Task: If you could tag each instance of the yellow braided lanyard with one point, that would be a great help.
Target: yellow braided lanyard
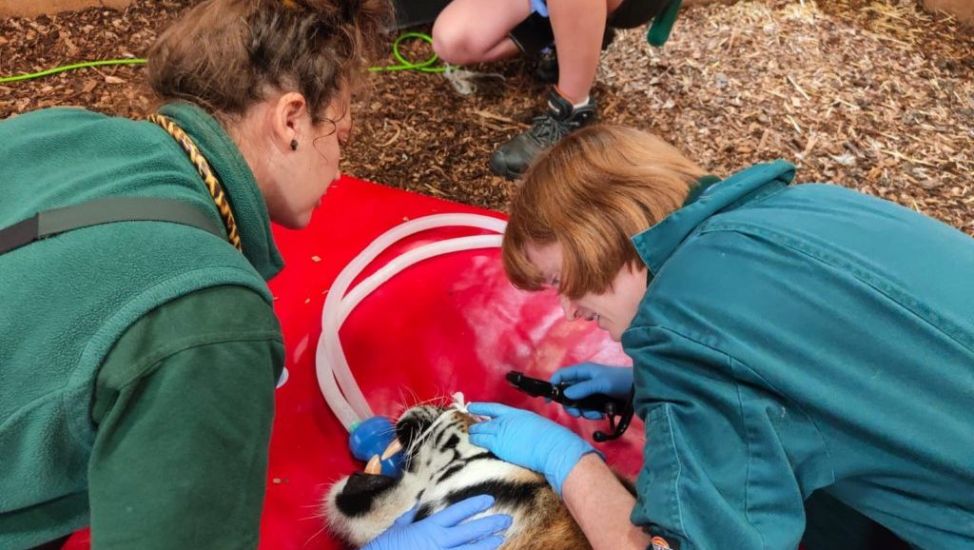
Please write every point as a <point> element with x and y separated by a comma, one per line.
<point>205,172</point>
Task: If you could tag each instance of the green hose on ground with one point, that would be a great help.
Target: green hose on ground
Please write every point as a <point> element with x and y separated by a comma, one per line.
<point>71,67</point>
<point>426,66</point>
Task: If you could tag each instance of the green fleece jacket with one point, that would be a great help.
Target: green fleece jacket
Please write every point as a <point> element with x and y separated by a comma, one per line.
<point>69,301</point>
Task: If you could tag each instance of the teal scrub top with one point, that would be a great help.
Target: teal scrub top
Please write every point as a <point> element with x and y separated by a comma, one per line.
<point>802,338</point>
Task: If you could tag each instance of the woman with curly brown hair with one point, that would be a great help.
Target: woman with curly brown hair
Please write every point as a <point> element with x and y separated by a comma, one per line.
<point>140,350</point>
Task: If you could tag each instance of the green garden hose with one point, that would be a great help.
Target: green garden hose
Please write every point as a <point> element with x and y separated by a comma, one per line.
<point>71,67</point>
<point>425,66</point>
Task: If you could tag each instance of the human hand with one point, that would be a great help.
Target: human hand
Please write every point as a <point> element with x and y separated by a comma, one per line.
<point>446,529</point>
<point>590,378</point>
<point>528,440</point>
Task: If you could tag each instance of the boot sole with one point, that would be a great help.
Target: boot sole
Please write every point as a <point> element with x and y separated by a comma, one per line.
<point>503,171</point>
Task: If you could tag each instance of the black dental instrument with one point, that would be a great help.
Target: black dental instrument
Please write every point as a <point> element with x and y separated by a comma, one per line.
<point>611,407</point>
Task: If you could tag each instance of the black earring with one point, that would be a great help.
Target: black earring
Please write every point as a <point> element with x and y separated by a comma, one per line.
<point>294,145</point>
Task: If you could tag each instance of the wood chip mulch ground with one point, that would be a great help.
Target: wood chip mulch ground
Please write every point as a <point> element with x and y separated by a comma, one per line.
<point>874,95</point>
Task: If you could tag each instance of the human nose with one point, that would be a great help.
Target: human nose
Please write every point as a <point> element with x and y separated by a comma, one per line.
<point>571,312</point>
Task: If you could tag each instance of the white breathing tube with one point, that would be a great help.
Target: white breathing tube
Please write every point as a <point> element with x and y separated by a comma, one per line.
<point>335,378</point>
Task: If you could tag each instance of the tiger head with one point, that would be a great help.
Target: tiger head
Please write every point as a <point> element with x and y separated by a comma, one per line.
<point>442,467</point>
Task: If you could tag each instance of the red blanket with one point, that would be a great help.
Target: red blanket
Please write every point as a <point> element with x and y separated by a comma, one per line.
<point>452,323</point>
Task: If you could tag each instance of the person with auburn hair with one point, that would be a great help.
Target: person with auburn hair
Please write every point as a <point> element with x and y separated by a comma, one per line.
<point>139,350</point>
<point>803,355</point>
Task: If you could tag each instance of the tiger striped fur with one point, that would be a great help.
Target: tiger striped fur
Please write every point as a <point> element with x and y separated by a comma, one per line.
<point>443,467</point>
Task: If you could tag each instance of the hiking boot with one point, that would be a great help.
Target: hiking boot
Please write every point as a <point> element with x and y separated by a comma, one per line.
<point>511,159</point>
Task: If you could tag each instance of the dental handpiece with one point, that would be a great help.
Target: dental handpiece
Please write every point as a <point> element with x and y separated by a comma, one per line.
<point>556,392</point>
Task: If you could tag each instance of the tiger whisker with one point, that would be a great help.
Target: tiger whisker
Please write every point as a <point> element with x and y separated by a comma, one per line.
<point>436,400</point>
<point>428,433</point>
<point>316,534</point>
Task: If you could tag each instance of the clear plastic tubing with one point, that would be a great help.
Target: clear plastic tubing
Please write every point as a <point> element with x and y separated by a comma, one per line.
<point>335,379</point>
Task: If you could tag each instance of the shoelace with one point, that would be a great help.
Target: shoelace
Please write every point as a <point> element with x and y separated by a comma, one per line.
<point>547,129</point>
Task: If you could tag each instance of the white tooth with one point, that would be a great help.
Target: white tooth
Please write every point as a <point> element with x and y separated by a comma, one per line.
<point>373,467</point>
<point>392,449</point>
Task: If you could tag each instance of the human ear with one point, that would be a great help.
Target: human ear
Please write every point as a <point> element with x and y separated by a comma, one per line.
<point>289,114</point>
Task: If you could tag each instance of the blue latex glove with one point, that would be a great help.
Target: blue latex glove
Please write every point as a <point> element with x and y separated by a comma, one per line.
<point>446,529</point>
<point>528,440</point>
<point>591,378</point>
